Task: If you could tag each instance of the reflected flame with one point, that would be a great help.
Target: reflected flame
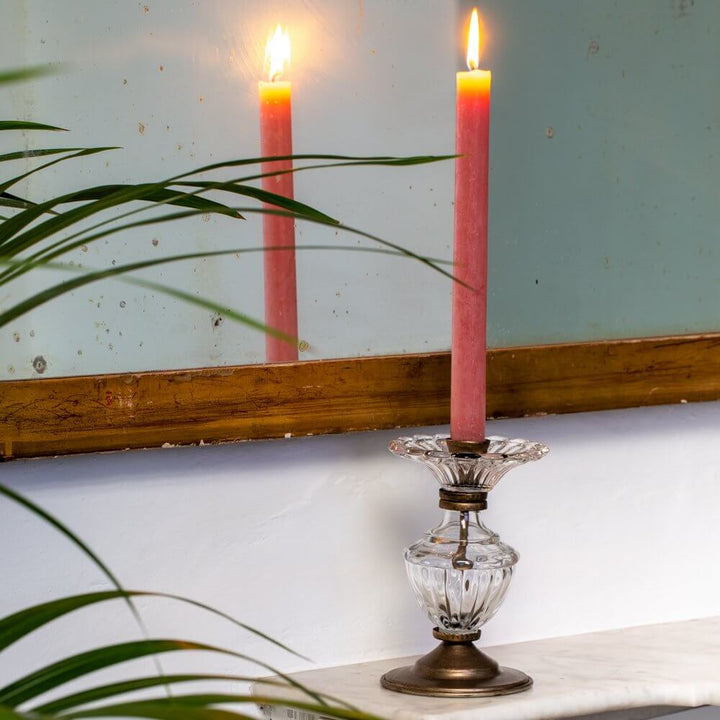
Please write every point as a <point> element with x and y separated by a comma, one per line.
<point>277,53</point>
<point>473,43</point>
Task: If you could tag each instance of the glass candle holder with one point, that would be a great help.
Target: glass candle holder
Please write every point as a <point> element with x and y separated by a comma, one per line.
<point>460,571</point>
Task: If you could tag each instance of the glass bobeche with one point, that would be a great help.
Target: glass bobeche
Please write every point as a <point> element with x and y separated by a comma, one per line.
<point>466,470</point>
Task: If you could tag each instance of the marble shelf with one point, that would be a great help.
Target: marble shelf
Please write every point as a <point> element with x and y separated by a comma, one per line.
<point>637,673</point>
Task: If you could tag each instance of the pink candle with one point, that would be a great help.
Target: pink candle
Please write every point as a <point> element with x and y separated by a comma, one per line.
<point>469,314</point>
<point>278,232</point>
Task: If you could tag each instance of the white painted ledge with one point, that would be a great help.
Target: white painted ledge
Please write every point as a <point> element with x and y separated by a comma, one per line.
<point>641,671</point>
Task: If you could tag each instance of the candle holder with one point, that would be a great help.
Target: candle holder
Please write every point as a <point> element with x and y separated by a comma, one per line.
<point>460,571</point>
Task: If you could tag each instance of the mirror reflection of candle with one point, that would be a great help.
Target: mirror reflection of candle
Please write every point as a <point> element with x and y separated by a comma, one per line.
<point>469,314</point>
<point>278,232</point>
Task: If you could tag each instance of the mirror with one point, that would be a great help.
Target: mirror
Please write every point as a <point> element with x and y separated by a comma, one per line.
<point>605,174</point>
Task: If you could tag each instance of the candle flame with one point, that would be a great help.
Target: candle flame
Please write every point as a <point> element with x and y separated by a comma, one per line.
<point>473,42</point>
<point>277,53</point>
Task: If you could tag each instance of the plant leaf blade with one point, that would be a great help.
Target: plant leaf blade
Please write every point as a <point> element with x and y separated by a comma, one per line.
<point>22,623</point>
<point>22,74</point>
<point>173,708</point>
<point>102,692</point>
<point>56,674</point>
<point>27,125</point>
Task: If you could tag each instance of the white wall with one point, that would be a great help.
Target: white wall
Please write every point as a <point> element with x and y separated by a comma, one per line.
<point>303,538</point>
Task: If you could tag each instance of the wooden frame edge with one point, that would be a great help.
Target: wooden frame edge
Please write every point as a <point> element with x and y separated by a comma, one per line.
<point>56,416</point>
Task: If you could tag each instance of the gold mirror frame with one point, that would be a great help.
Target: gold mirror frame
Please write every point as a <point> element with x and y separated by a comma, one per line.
<point>57,416</point>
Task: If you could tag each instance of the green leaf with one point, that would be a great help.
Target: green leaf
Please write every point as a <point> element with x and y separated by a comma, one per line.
<point>26,154</point>
<point>358,160</point>
<point>10,200</point>
<point>363,162</point>
<point>64,530</point>
<point>160,707</point>
<point>27,73</point>
<point>23,219</point>
<point>108,197</point>
<point>56,249</point>
<point>22,623</point>
<point>118,195</point>
<point>81,153</point>
<point>55,291</point>
<point>346,711</point>
<point>68,243</point>
<point>70,535</point>
<point>102,692</point>
<point>214,307</point>
<point>77,666</point>
<point>175,712</point>
<point>87,278</point>
<point>26,125</point>
<point>38,233</point>
<point>162,196</point>
<point>6,201</point>
<point>351,160</point>
<point>7,713</point>
<point>265,196</point>
<point>17,268</point>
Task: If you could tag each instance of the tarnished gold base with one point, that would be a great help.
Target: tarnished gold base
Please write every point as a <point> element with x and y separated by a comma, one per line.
<point>456,668</point>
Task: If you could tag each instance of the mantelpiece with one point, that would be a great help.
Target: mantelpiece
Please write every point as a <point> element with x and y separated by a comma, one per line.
<point>632,673</point>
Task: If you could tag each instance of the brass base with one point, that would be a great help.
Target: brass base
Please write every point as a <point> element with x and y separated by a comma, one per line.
<point>456,668</point>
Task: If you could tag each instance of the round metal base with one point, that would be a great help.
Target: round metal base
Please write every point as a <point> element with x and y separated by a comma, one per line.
<point>456,669</point>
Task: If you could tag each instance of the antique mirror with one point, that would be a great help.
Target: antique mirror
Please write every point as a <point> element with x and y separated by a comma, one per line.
<point>604,279</point>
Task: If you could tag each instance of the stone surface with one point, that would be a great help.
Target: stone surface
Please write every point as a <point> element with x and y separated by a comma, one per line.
<point>643,671</point>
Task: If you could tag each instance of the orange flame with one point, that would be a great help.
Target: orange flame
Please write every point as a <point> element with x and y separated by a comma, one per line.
<point>473,43</point>
<point>277,53</point>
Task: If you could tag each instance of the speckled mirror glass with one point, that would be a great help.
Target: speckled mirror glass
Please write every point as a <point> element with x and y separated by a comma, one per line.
<point>605,182</point>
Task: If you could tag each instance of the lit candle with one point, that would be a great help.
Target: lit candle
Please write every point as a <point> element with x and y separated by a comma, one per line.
<point>469,308</point>
<point>278,232</point>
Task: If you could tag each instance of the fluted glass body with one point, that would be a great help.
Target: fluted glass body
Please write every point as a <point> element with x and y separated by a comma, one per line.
<point>460,583</point>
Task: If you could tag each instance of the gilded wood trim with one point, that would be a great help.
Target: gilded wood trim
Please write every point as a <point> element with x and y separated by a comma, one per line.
<point>110,412</point>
